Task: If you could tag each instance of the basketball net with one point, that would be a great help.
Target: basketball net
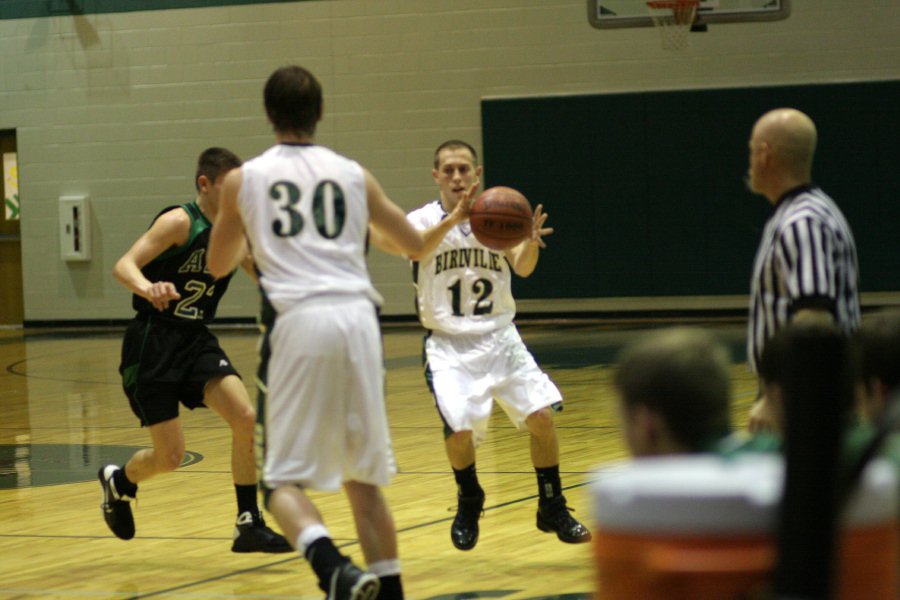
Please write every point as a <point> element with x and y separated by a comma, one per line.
<point>673,19</point>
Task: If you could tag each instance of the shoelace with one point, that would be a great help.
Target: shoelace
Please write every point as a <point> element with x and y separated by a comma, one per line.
<point>559,513</point>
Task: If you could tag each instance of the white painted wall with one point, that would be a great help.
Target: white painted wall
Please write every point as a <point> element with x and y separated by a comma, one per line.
<point>118,106</point>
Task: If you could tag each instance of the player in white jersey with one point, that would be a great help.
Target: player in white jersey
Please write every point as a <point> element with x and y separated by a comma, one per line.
<point>473,351</point>
<point>461,264</point>
<point>306,212</point>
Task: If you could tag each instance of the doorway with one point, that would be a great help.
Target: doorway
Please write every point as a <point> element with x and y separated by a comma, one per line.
<point>12,306</point>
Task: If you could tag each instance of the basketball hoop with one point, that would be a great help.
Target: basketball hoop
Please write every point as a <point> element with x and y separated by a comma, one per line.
<point>673,18</point>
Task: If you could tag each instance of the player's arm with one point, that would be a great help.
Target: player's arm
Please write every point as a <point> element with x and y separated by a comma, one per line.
<point>433,235</point>
<point>247,263</point>
<point>169,230</point>
<point>383,242</point>
<point>389,220</point>
<point>227,244</point>
<point>523,257</point>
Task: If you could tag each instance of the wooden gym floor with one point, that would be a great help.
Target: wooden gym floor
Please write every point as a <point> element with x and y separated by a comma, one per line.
<point>62,415</point>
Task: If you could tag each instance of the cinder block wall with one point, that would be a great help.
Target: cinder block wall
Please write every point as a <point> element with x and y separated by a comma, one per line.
<point>117,106</point>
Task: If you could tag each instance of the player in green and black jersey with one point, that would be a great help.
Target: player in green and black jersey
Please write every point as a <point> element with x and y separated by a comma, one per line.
<point>170,358</point>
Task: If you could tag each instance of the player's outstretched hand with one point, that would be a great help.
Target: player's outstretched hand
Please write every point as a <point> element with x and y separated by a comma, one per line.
<point>538,231</point>
<point>161,293</point>
<point>464,207</point>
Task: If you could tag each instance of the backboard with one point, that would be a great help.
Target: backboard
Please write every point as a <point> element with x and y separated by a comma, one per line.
<point>613,14</point>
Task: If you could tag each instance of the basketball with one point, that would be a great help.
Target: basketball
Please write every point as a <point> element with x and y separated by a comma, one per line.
<point>500,218</point>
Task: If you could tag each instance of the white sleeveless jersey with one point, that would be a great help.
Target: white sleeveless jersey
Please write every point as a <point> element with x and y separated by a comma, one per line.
<point>463,287</point>
<point>306,216</point>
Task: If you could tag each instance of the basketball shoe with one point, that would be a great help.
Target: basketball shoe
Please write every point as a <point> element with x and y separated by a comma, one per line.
<point>251,534</point>
<point>464,531</point>
<point>348,582</point>
<point>116,507</point>
<point>553,516</point>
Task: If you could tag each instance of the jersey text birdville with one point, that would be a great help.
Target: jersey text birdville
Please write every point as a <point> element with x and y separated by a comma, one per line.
<point>460,258</point>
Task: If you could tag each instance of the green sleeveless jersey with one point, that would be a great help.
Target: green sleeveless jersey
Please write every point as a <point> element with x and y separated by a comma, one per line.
<point>185,267</point>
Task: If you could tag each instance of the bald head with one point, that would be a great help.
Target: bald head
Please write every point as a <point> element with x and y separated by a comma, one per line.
<point>792,137</point>
<point>782,146</point>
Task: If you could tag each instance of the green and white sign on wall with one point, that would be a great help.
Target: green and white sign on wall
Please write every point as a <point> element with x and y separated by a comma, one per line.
<point>10,186</point>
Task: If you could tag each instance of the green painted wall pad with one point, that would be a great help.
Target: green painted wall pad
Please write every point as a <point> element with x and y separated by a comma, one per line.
<point>36,465</point>
<point>646,193</point>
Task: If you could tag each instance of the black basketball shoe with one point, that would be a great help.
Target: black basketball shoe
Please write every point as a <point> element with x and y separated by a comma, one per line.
<point>553,516</point>
<point>253,535</point>
<point>464,531</point>
<point>116,507</point>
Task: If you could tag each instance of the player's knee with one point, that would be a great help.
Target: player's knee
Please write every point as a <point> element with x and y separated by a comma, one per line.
<point>459,439</point>
<point>170,460</point>
<point>245,420</point>
<point>366,499</point>
<point>540,422</point>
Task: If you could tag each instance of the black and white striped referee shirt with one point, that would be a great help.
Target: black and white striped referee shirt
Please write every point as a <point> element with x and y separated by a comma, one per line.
<point>806,259</point>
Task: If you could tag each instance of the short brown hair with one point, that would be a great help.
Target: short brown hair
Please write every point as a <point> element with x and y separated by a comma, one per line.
<point>453,145</point>
<point>214,162</point>
<point>682,374</point>
<point>293,100</point>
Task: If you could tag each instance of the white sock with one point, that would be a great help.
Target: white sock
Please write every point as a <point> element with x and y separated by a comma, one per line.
<point>310,535</point>
<point>384,568</point>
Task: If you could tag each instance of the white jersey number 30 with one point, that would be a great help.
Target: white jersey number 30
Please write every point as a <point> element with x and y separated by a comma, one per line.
<point>329,208</point>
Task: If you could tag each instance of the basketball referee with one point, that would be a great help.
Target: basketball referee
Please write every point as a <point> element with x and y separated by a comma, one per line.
<point>805,266</point>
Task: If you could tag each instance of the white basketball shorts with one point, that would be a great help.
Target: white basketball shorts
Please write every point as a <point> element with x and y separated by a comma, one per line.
<point>470,371</point>
<point>325,420</point>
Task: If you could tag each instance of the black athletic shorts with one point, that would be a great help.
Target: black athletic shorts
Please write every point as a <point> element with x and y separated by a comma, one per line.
<point>165,363</point>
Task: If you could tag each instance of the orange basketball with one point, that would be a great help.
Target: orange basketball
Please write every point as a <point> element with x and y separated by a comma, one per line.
<point>501,217</point>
